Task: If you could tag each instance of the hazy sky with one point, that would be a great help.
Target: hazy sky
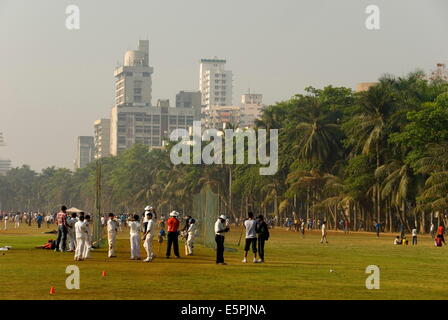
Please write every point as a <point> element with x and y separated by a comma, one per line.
<point>54,82</point>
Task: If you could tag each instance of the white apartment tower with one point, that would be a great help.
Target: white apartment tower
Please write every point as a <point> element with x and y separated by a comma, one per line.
<point>133,83</point>
<point>102,138</point>
<point>215,83</point>
<point>5,165</point>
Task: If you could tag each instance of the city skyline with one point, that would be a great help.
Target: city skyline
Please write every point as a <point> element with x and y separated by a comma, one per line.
<point>64,79</point>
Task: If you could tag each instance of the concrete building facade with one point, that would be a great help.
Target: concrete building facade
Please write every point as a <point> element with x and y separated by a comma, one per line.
<point>215,83</point>
<point>102,138</point>
<point>5,164</point>
<point>251,108</point>
<point>85,151</point>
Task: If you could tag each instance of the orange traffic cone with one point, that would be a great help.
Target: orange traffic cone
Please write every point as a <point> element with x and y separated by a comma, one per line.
<point>103,274</point>
<point>52,290</point>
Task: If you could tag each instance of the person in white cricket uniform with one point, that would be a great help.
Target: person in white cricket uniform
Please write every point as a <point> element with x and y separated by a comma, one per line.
<point>81,238</point>
<point>17,221</point>
<point>112,229</point>
<point>6,222</point>
<point>71,232</point>
<point>148,237</point>
<point>324,233</point>
<point>88,246</point>
<point>134,231</point>
<point>191,232</point>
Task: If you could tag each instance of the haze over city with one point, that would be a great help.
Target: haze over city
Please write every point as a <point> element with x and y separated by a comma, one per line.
<point>57,82</point>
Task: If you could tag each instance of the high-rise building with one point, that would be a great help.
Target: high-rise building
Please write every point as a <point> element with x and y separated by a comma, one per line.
<point>147,125</point>
<point>102,138</point>
<point>215,83</point>
<point>440,73</point>
<point>251,107</point>
<point>5,164</point>
<point>134,119</point>
<point>85,151</point>
<point>133,82</point>
<point>221,117</point>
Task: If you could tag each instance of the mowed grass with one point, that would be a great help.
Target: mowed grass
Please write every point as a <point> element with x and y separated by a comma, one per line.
<point>295,268</point>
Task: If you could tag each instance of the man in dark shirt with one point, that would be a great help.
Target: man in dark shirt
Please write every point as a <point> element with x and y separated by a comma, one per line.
<point>263,235</point>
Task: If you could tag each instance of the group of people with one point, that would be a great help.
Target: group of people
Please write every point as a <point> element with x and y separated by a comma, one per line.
<point>17,218</point>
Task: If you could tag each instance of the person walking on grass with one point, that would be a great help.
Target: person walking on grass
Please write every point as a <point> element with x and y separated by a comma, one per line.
<point>414,236</point>
<point>148,237</point>
<point>88,246</point>
<point>263,236</point>
<point>324,232</point>
<point>220,230</point>
<point>173,235</point>
<point>81,238</point>
<point>251,237</point>
<point>112,229</point>
<point>61,219</point>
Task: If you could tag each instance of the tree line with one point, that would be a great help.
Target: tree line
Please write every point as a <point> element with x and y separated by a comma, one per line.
<point>377,155</point>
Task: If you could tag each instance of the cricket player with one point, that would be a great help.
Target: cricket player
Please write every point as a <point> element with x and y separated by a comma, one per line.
<point>88,246</point>
<point>190,238</point>
<point>112,229</point>
<point>71,232</point>
<point>6,222</point>
<point>134,226</point>
<point>220,230</point>
<point>81,238</point>
<point>148,237</point>
<point>17,221</point>
<point>324,233</point>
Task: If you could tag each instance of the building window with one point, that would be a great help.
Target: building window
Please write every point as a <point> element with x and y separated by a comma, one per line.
<point>146,74</point>
<point>129,74</point>
<point>156,119</point>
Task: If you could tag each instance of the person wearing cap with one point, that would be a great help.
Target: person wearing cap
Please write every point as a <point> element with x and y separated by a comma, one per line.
<point>148,238</point>
<point>173,234</point>
<point>191,234</point>
<point>220,230</point>
<point>112,229</point>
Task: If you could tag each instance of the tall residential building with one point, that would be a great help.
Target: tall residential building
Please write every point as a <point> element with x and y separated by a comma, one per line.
<point>440,73</point>
<point>133,82</point>
<point>5,164</point>
<point>215,83</point>
<point>102,138</point>
<point>221,117</point>
<point>147,125</point>
<point>251,108</point>
<point>85,152</point>
<point>134,119</point>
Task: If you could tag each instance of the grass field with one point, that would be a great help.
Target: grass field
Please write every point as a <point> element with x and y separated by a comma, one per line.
<point>295,268</point>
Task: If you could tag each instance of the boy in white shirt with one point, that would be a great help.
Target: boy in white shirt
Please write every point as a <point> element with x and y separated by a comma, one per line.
<point>414,236</point>
<point>81,238</point>
<point>88,244</point>
<point>251,237</point>
<point>112,229</point>
<point>134,231</point>
<point>191,234</point>
<point>149,236</point>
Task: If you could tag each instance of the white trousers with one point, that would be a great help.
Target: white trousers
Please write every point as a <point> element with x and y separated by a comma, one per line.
<point>71,241</point>
<point>148,246</point>
<point>87,247</point>
<point>111,238</point>
<point>189,244</point>
<point>135,246</point>
<point>17,224</point>
<point>80,247</point>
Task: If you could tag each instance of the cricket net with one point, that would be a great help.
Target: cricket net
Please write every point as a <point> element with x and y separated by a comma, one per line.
<point>205,211</point>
